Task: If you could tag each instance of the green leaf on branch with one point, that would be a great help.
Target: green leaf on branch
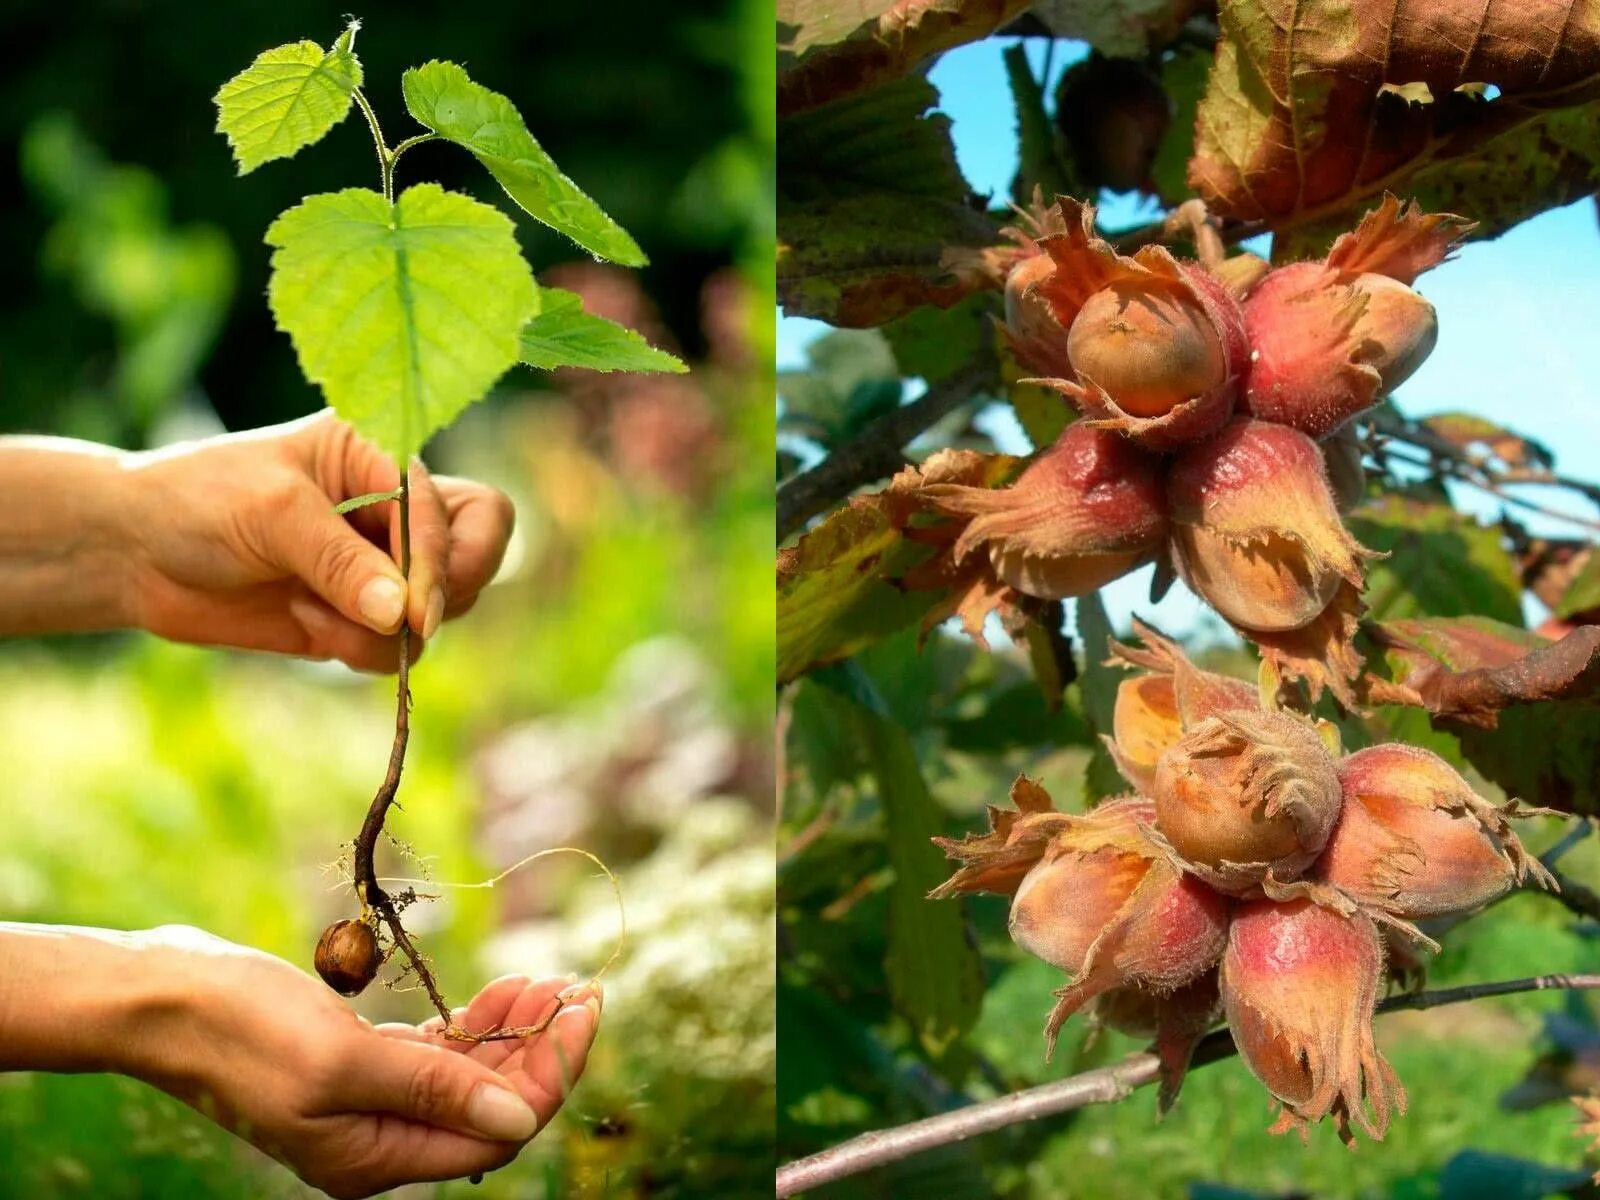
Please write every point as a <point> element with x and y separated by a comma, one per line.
<point>1183,77</point>
<point>864,260</point>
<point>886,140</point>
<point>1583,593</point>
<point>288,98</point>
<point>402,313</point>
<point>934,971</point>
<point>935,343</point>
<point>834,592</point>
<point>833,599</point>
<point>873,219</point>
<point>1441,563</point>
<point>1099,683</point>
<point>1039,162</point>
<point>563,335</point>
<point>850,380</point>
<point>444,98</point>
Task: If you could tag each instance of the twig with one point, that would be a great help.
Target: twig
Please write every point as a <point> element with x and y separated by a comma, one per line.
<point>1465,470</point>
<point>1578,898</point>
<point>1581,829</point>
<point>1103,1085</point>
<point>875,452</point>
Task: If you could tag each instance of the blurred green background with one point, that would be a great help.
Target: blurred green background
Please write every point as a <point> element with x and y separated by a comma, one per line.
<point>611,691</point>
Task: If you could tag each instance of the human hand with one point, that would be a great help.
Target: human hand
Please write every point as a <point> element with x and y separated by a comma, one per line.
<point>352,1108</point>
<point>236,543</point>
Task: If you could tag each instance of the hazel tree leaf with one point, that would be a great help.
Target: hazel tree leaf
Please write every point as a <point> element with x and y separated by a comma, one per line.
<point>1309,111</point>
<point>563,335</point>
<point>1439,562</point>
<point>838,589</point>
<point>1525,709</point>
<point>864,260</point>
<point>1471,668</point>
<point>827,50</point>
<point>288,98</point>
<point>444,98</point>
<point>402,313</point>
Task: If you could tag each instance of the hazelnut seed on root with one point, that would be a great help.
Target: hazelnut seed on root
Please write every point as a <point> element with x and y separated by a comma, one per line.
<point>347,956</point>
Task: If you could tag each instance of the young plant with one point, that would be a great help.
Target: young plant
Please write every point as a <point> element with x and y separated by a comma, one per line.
<point>405,309</point>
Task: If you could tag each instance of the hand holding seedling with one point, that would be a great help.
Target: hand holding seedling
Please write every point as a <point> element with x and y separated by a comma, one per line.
<point>235,541</point>
<point>251,552</point>
<point>267,1052</point>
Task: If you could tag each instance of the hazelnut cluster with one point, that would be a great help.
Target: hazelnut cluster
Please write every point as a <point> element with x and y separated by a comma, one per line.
<point>1256,873</point>
<point>1214,437</point>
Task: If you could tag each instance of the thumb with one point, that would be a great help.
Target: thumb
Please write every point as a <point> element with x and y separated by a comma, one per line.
<point>320,547</point>
<point>435,1086</point>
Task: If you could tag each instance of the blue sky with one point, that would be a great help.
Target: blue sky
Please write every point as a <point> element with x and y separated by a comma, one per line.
<point>1519,318</point>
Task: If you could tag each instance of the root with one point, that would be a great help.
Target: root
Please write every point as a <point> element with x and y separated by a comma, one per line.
<point>382,909</point>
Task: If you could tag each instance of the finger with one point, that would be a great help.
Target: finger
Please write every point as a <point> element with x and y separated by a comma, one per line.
<point>430,551</point>
<point>318,546</point>
<point>405,1152</point>
<point>481,520</point>
<point>332,636</point>
<point>548,1066</point>
<point>282,617</point>
<point>535,1003</point>
<point>487,1010</point>
<point>429,1085</point>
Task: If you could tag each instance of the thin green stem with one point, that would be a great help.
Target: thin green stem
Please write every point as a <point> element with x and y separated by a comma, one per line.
<point>394,157</point>
<point>385,155</point>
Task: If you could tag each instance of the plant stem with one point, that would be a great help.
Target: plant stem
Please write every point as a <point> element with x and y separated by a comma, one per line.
<point>1100,1086</point>
<point>373,897</point>
<point>385,157</point>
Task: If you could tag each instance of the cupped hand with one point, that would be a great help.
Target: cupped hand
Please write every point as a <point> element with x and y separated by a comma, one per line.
<point>237,544</point>
<point>352,1108</point>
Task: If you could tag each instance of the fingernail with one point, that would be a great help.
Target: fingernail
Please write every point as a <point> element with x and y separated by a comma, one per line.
<point>381,603</point>
<point>430,623</point>
<point>595,1003</point>
<point>499,1113</point>
<point>588,1012</point>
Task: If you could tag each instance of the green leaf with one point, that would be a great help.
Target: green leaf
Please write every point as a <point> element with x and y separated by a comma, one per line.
<point>402,313</point>
<point>834,594</point>
<point>563,335</point>
<point>832,598</point>
<point>366,498</point>
<point>1183,76</point>
<point>935,974</point>
<point>883,140</point>
<point>1583,593</point>
<point>1441,563</point>
<point>935,343</point>
<point>288,98</point>
<point>866,259</point>
<point>447,101</point>
<point>1098,683</point>
<point>1039,163</point>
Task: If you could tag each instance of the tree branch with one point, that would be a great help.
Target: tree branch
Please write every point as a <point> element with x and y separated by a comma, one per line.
<point>875,453</point>
<point>1104,1085</point>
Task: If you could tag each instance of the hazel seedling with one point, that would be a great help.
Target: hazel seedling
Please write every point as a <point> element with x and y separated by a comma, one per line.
<point>405,308</point>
